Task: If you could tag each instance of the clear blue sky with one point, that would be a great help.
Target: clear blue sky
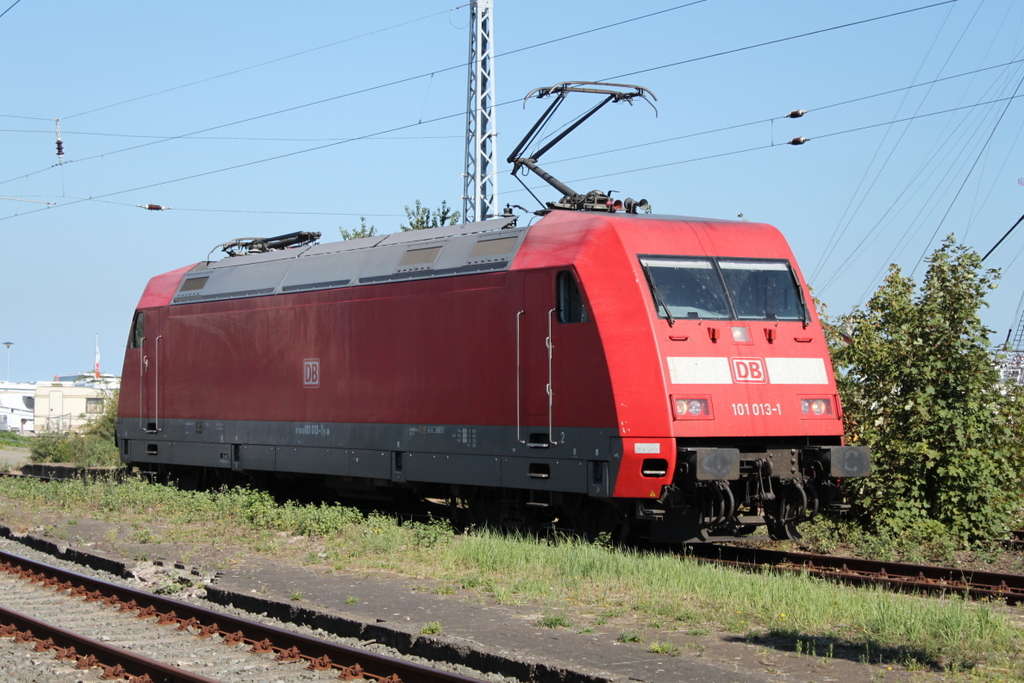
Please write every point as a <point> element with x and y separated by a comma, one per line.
<point>871,187</point>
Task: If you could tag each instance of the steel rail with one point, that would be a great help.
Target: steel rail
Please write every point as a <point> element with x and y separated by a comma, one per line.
<point>898,575</point>
<point>87,653</point>
<point>320,654</point>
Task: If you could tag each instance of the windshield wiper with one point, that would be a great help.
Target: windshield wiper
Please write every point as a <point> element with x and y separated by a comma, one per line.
<point>657,293</point>
<point>803,299</point>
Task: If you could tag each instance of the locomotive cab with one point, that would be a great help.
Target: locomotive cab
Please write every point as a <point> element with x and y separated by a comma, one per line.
<point>724,392</point>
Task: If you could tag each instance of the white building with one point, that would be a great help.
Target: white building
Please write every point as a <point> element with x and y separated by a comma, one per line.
<point>17,406</point>
<point>65,407</point>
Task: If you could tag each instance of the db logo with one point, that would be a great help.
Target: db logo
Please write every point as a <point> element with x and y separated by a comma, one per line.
<point>749,370</point>
<point>311,372</point>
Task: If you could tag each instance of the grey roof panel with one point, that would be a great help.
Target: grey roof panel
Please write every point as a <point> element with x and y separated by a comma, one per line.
<point>415,255</point>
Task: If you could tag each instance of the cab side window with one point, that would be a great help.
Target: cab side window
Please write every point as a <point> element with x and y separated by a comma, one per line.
<point>571,308</point>
<point>138,331</point>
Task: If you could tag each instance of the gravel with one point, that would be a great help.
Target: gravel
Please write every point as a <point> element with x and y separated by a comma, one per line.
<point>19,663</point>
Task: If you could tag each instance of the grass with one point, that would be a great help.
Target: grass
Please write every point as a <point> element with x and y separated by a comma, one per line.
<point>664,649</point>
<point>554,621</point>
<point>14,440</point>
<point>583,584</point>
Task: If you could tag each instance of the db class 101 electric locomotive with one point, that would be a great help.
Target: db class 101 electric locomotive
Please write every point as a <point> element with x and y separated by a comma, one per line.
<point>595,370</point>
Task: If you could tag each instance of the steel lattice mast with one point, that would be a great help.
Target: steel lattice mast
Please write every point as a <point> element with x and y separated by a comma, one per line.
<point>480,181</point>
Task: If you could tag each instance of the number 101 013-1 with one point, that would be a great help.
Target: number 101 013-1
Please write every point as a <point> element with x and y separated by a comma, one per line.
<point>766,409</point>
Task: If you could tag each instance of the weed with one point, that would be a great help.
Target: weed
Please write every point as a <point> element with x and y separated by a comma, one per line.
<point>664,649</point>
<point>296,596</point>
<point>445,590</point>
<point>431,629</point>
<point>142,535</point>
<point>689,616</point>
<point>174,586</point>
<point>351,600</point>
<point>553,621</point>
<point>630,637</point>
<point>586,630</point>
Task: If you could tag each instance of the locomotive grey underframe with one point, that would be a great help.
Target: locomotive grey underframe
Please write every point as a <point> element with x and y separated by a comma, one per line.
<point>586,460</point>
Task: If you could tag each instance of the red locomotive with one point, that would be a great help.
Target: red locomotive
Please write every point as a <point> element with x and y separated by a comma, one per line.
<point>592,370</point>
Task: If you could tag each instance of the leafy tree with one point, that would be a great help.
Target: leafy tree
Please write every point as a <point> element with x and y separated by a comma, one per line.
<point>919,386</point>
<point>420,217</point>
<point>361,231</point>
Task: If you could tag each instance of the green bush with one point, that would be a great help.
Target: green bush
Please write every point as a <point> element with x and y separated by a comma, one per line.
<point>94,447</point>
<point>920,387</point>
<point>83,450</point>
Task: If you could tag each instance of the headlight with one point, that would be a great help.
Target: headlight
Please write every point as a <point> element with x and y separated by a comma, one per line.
<point>692,408</point>
<point>816,407</point>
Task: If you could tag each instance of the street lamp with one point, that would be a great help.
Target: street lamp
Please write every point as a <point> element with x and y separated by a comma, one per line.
<point>8,345</point>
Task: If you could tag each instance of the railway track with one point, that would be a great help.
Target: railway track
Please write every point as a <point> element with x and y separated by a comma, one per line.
<point>105,626</point>
<point>896,575</point>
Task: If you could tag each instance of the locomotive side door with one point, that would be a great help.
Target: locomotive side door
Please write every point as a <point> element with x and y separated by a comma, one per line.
<point>146,339</point>
<point>536,358</point>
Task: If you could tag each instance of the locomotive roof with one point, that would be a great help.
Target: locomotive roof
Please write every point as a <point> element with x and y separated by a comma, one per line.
<point>486,246</point>
<point>418,254</point>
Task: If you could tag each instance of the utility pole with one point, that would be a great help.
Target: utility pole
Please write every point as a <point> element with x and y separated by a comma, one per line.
<point>480,181</point>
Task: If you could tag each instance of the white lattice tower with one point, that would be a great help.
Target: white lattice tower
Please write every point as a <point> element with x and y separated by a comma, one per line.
<point>480,181</point>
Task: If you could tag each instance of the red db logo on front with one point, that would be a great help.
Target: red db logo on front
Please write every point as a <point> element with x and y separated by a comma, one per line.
<point>311,372</point>
<point>749,370</point>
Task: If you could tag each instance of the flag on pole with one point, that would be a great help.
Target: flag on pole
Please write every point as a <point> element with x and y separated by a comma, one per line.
<point>96,369</point>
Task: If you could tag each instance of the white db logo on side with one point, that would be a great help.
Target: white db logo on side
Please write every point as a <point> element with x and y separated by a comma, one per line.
<point>311,373</point>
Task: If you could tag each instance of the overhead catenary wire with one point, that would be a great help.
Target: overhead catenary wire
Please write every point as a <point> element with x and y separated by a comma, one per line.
<point>776,41</point>
<point>459,114</point>
<point>837,235</point>
<point>229,138</point>
<point>811,110</point>
<point>928,160</point>
<point>462,65</point>
<point>943,139</point>
<point>264,63</point>
<point>967,176</point>
<point>910,233</point>
<point>1007,234</point>
<point>9,8</point>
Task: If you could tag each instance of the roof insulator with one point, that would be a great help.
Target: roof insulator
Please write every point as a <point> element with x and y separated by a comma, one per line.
<point>798,141</point>
<point>153,207</point>
<point>796,113</point>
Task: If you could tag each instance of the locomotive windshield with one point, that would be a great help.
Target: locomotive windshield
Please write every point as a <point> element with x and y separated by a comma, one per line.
<point>723,289</point>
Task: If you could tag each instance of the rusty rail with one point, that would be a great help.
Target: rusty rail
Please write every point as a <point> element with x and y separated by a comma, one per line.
<point>319,654</point>
<point>897,575</point>
<point>87,653</point>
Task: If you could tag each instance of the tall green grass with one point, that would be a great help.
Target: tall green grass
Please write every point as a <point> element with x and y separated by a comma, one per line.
<point>588,583</point>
